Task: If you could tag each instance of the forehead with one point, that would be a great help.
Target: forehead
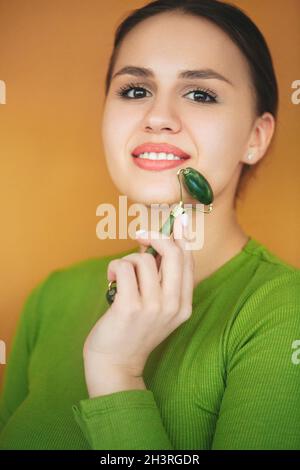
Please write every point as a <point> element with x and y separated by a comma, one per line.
<point>170,41</point>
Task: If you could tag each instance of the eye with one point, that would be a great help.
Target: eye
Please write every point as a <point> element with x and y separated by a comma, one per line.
<point>204,95</point>
<point>137,90</point>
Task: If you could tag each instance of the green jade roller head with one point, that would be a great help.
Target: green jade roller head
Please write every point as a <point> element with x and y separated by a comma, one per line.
<point>199,188</point>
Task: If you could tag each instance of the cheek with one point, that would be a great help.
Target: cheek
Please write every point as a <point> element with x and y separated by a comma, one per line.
<point>221,141</point>
<point>113,128</point>
<point>117,131</point>
<point>117,137</point>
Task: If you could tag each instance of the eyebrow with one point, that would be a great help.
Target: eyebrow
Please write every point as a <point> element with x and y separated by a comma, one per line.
<point>183,74</point>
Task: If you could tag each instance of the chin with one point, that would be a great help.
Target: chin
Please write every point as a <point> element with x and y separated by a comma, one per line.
<point>154,197</point>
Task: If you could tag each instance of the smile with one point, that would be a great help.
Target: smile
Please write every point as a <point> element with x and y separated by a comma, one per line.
<point>157,161</point>
<point>158,156</point>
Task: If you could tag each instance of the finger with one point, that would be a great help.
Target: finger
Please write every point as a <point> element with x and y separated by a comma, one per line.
<point>157,257</point>
<point>180,238</point>
<point>123,273</point>
<point>147,275</point>
<point>171,264</point>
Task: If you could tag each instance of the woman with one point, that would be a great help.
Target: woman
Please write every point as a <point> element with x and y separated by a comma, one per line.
<point>197,354</point>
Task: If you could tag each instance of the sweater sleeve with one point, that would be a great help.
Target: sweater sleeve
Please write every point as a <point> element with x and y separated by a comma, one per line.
<point>125,420</point>
<point>260,408</point>
<point>15,385</point>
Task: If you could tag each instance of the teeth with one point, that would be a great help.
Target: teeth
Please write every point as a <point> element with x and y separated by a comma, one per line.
<point>158,156</point>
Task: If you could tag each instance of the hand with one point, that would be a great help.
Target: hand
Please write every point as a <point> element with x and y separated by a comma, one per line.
<point>149,305</point>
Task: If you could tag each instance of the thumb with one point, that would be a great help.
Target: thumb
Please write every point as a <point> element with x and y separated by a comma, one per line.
<point>182,230</point>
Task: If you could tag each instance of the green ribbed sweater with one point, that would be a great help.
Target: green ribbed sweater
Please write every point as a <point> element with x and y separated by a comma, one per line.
<point>227,378</point>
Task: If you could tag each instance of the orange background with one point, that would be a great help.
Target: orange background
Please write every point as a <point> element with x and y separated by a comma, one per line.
<point>54,55</point>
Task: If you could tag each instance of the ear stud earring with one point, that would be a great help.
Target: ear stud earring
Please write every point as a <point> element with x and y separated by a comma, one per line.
<point>250,156</point>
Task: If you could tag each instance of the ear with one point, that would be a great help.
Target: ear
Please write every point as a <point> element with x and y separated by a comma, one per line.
<point>260,138</point>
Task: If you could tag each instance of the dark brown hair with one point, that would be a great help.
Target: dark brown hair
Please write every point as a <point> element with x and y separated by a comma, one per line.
<point>242,31</point>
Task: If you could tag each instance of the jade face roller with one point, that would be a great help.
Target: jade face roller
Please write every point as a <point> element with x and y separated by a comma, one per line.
<point>199,188</point>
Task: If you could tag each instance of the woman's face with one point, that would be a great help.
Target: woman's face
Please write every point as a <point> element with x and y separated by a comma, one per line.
<point>211,124</point>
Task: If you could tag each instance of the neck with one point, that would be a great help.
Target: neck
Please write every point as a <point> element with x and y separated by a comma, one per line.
<point>223,239</point>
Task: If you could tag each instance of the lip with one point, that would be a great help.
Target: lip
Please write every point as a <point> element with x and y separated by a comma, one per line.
<point>157,165</point>
<point>163,147</point>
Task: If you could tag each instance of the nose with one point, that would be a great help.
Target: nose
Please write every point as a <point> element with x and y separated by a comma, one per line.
<point>161,117</point>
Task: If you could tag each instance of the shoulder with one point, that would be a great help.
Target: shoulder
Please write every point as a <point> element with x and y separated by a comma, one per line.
<point>59,298</point>
<point>269,310</point>
<point>273,287</point>
<point>79,276</point>
<point>268,265</point>
<point>68,288</point>
<point>268,276</point>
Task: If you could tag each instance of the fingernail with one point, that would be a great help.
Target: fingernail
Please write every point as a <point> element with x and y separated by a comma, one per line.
<point>184,219</point>
<point>141,233</point>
